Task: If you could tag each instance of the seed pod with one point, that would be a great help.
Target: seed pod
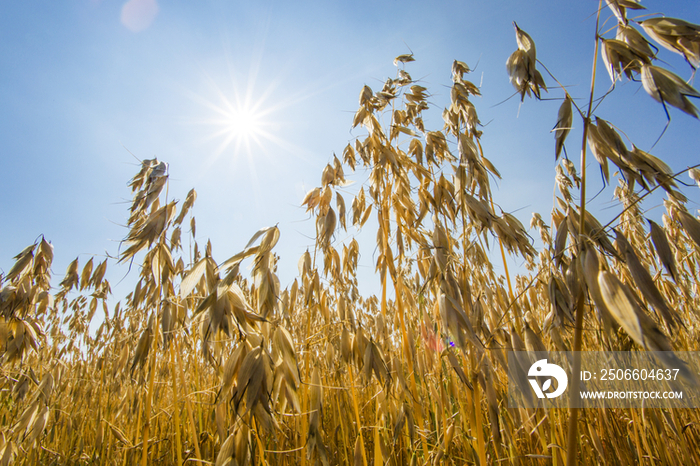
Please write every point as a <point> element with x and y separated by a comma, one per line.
<point>23,261</point>
<point>119,435</point>
<point>327,177</point>
<point>359,344</point>
<point>374,362</point>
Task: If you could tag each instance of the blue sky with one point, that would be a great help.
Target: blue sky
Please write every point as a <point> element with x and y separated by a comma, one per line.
<point>82,87</point>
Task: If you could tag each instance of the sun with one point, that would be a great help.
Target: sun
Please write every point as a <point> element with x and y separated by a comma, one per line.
<point>243,120</point>
<point>244,123</point>
<point>240,120</point>
<point>241,123</point>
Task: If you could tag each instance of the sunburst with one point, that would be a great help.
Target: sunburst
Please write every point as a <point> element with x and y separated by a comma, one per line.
<point>241,123</point>
<point>246,118</point>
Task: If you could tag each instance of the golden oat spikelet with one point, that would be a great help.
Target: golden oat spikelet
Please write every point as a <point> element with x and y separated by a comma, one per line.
<point>38,425</point>
<point>565,119</point>
<point>22,264</point>
<point>405,58</point>
<point>691,225</point>
<point>599,149</point>
<point>521,66</point>
<point>534,343</point>
<point>186,206</point>
<point>677,36</point>
<point>591,270</point>
<point>620,7</point>
<point>642,279</point>
<point>86,274</point>
<point>225,456</point>
<point>71,278</point>
<point>525,43</point>
<point>694,174</point>
<point>638,325</point>
<point>668,88</point>
<point>622,305</point>
<point>620,57</point>
<point>454,362</point>
<point>374,362</point>
<point>632,37</point>
<point>663,249</point>
<point>144,345</point>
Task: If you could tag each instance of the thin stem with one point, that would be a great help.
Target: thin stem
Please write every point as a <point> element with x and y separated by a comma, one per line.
<point>578,109</point>
<point>572,439</point>
<point>176,411</point>
<point>357,414</point>
<point>149,394</point>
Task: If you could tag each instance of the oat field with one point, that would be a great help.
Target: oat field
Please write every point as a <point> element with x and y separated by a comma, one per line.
<point>209,361</point>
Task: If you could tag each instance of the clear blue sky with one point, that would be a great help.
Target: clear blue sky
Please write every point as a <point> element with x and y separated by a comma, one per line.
<point>85,81</point>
